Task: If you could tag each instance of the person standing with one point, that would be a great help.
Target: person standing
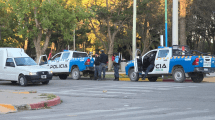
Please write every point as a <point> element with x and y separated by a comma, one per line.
<point>103,62</point>
<point>97,67</point>
<point>116,63</point>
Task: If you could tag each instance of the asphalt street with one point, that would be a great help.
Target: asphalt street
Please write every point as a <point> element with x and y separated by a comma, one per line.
<point>121,100</point>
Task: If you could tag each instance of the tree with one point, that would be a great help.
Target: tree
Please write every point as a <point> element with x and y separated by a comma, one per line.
<point>42,18</point>
<point>110,19</point>
<point>8,37</point>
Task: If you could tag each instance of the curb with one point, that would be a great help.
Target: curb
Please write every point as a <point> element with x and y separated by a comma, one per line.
<point>8,108</point>
<point>48,103</point>
<point>158,80</point>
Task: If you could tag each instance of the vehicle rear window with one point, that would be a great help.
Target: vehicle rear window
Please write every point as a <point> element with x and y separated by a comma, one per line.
<point>79,55</point>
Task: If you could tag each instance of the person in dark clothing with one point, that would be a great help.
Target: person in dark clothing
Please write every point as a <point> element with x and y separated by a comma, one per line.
<point>103,62</point>
<point>116,63</point>
<point>97,67</point>
<point>152,64</point>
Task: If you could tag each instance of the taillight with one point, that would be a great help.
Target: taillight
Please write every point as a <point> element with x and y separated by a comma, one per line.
<point>87,62</point>
<point>196,61</point>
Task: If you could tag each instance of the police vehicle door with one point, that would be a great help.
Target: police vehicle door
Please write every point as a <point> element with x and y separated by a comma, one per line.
<point>54,63</point>
<point>162,61</point>
<point>147,55</point>
<point>44,61</point>
<point>64,62</point>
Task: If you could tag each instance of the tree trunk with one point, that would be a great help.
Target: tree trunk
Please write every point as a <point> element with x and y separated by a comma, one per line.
<point>37,40</point>
<point>110,53</point>
<point>183,22</point>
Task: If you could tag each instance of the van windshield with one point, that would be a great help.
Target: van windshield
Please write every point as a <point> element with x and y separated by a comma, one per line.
<point>24,61</point>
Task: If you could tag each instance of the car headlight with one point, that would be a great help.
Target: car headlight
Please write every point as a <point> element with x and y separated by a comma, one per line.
<point>50,72</point>
<point>32,73</point>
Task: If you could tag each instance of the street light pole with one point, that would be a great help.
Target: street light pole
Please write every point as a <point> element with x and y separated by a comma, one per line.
<point>166,27</point>
<point>134,30</point>
<point>175,22</point>
<point>74,39</point>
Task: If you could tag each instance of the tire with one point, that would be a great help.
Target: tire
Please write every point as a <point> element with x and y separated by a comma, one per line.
<point>198,78</point>
<point>75,74</point>
<point>152,79</point>
<point>63,76</point>
<point>14,82</point>
<point>22,80</point>
<point>46,82</point>
<point>178,75</point>
<point>134,77</point>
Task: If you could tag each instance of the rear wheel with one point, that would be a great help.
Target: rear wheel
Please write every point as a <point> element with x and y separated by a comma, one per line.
<point>63,76</point>
<point>75,74</point>
<point>133,76</point>
<point>178,75</point>
<point>198,78</point>
<point>46,82</point>
<point>22,80</point>
<point>153,79</point>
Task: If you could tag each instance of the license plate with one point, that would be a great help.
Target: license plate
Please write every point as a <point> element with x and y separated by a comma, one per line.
<point>205,69</point>
<point>43,76</point>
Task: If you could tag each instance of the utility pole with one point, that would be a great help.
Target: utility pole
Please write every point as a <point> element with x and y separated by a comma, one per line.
<point>175,22</point>
<point>134,30</point>
<point>166,27</point>
<point>74,39</point>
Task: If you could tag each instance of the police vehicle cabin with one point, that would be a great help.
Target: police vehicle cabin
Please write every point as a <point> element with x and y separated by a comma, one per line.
<point>178,61</point>
<point>17,66</point>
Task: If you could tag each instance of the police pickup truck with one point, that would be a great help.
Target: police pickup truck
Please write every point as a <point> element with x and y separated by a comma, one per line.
<point>69,62</point>
<point>17,66</point>
<point>178,61</point>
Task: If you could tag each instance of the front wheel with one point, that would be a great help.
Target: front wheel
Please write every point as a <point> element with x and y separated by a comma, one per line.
<point>133,76</point>
<point>75,74</point>
<point>178,75</point>
<point>198,78</point>
<point>22,80</point>
<point>153,79</point>
<point>46,82</point>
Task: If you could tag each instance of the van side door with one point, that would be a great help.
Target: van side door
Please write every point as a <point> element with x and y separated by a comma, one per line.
<point>10,71</point>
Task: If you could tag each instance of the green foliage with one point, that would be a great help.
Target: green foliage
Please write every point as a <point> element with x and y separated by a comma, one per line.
<point>54,15</point>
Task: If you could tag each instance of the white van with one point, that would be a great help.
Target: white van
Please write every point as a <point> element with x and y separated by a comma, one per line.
<point>17,66</point>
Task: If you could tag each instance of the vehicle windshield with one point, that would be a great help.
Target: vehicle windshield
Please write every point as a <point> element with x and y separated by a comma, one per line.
<point>24,61</point>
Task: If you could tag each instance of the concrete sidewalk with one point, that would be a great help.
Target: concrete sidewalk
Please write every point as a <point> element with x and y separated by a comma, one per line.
<point>12,101</point>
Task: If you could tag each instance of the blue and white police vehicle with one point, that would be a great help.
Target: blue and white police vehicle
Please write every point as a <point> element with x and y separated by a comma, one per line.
<point>74,63</point>
<point>178,61</point>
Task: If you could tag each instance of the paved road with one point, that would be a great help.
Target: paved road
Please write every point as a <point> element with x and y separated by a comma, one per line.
<point>121,100</point>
